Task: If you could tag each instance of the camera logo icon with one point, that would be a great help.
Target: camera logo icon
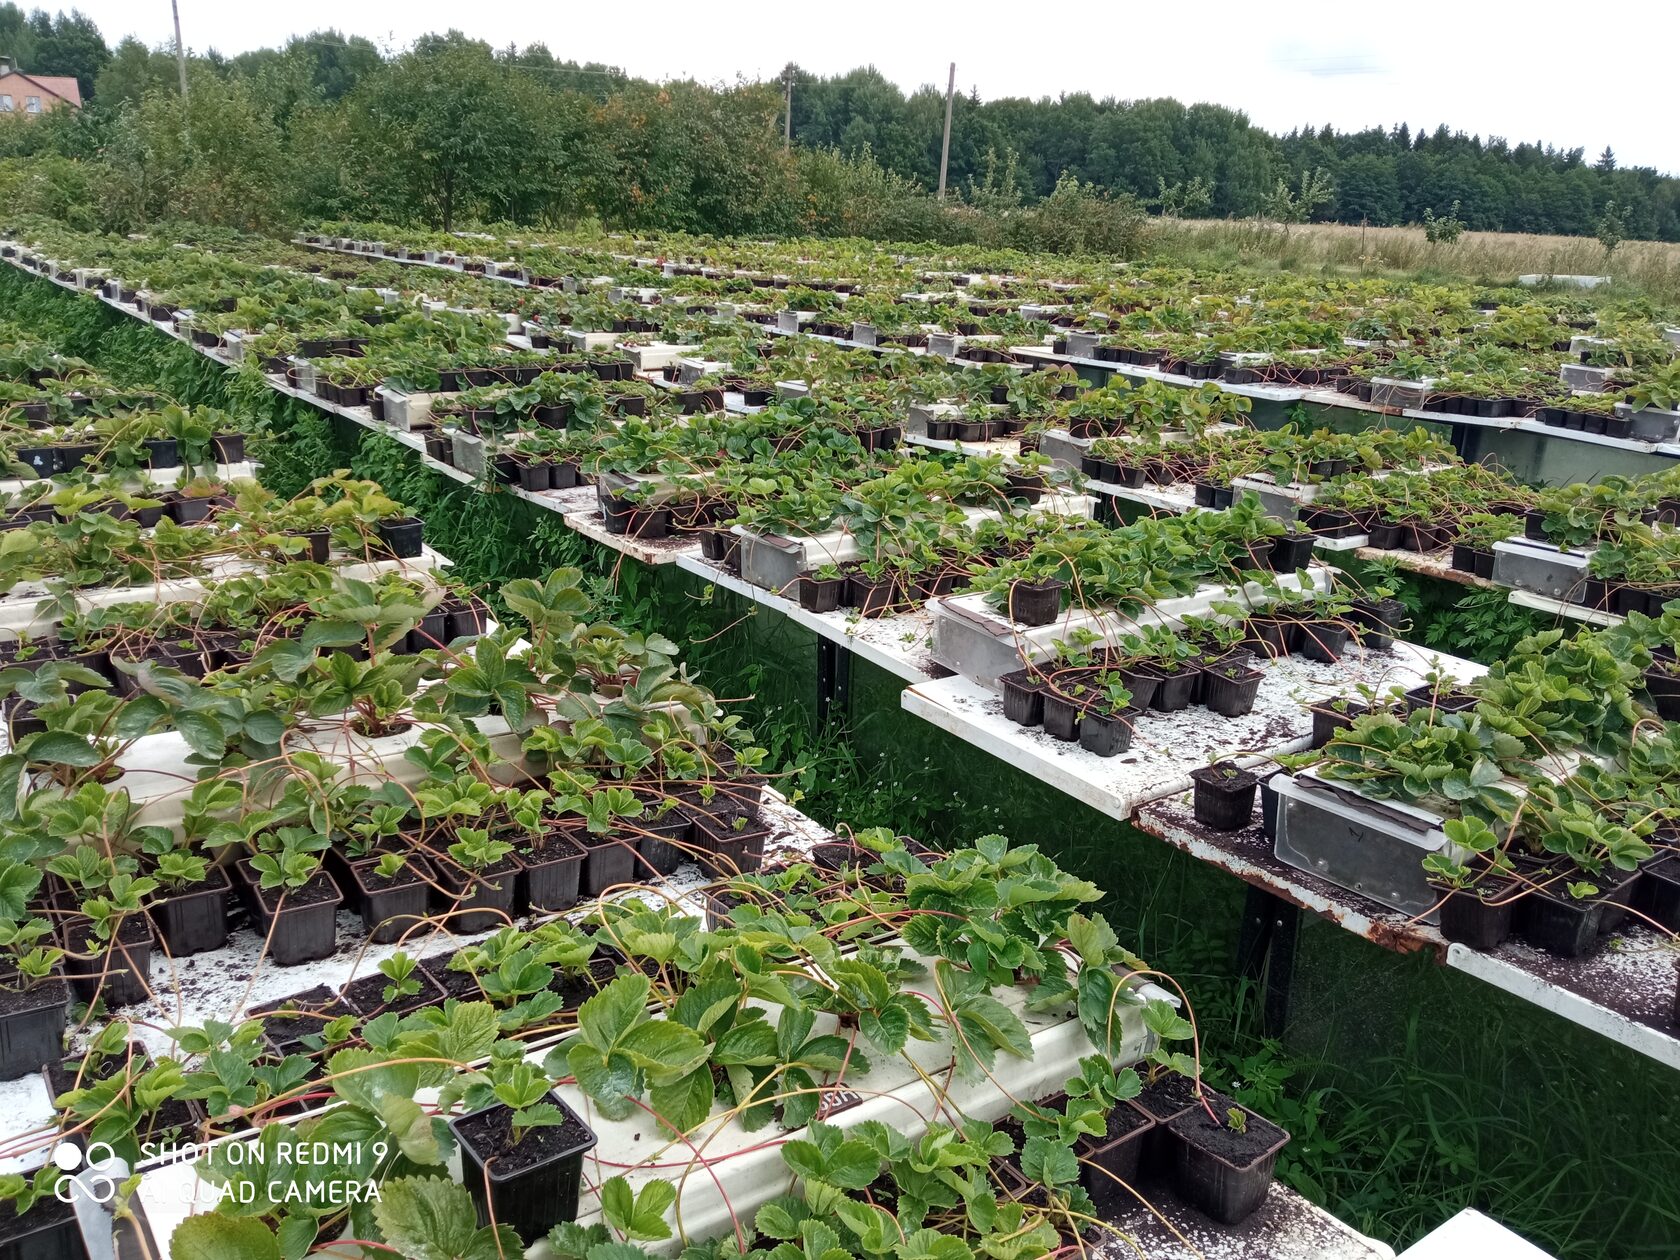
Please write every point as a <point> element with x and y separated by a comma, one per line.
<point>92,1185</point>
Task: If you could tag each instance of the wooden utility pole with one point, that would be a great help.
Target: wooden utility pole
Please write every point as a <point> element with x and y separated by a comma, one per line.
<point>945,149</point>
<point>787,113</point>
<point>180,48</point>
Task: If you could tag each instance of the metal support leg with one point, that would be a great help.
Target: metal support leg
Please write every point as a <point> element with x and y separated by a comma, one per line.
<point>1266,953</point>
<point>834,680</point>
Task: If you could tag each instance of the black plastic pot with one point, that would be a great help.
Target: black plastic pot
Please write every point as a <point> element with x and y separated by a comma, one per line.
<point>820,595</point>
<point>42,460</point>
<point>190,511</point>
<point>872,597</point>
<point>1108,1166</point>
<point>1061,717</point>
<point>121,974</point>
<point>724,849</point>
<point>482,900</point>
<point>48,1231</point>
<point>1224,1173</point>
<point>1659,892</point>
<point>634,521</point>
<point>1023,698</point>
<point>1558,923</point>
<point>317,544</point>
<point>468,619</point>
<point>1664,690</point>
<point>1224,796</point>
<point>390,907</point>
<point>1176,689</point>
<point>300,926</point>
<point>1618,891</point>
<point>610,860</point>
<point>1230,691</point>
<point>162,453</point>
<point>1324,641</point>
<point>1106,734</point>
<point>431,632</point>
<point>402,537</point>
<point>1378,619</point>
<point>75,454</point>
<point>1291,552</point>
<point>667,843</point>
<point>1035,603</point>
<point>195,921</point>
<point>532,1187</point>
<point>1480,918</point>
<point>1268,807</point>
<point>229,448</point>
<point>1383,536</point>
<point>31,1025</point>
<point>1268,637</point>
<point>724,547</point>
<point>1326,722</point>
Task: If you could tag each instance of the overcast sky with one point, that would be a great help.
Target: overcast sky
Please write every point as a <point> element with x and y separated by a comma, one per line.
<point>1571,75</point>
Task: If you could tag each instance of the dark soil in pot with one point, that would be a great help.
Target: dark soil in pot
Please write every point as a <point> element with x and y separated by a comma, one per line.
<point>292,1022</point>
<point>1427,696</point>
<point>462,985</point>
<point>1224,796</point>
<point>367,996</point>
<point>1224,1172</point>
<point>532,1185</point>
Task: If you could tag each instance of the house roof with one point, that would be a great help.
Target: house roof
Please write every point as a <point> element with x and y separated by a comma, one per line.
<point>64,87</point>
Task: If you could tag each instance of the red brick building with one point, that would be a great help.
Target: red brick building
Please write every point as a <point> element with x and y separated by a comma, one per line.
<point>35,93</point>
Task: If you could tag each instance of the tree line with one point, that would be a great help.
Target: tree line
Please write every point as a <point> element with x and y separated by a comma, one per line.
<point>453,131</point>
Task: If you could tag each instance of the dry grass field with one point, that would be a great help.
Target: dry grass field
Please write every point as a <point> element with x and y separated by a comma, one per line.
<point>1495,257</point>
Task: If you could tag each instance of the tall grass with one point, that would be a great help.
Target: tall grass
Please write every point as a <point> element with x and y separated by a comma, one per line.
<point>1652,267</point>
